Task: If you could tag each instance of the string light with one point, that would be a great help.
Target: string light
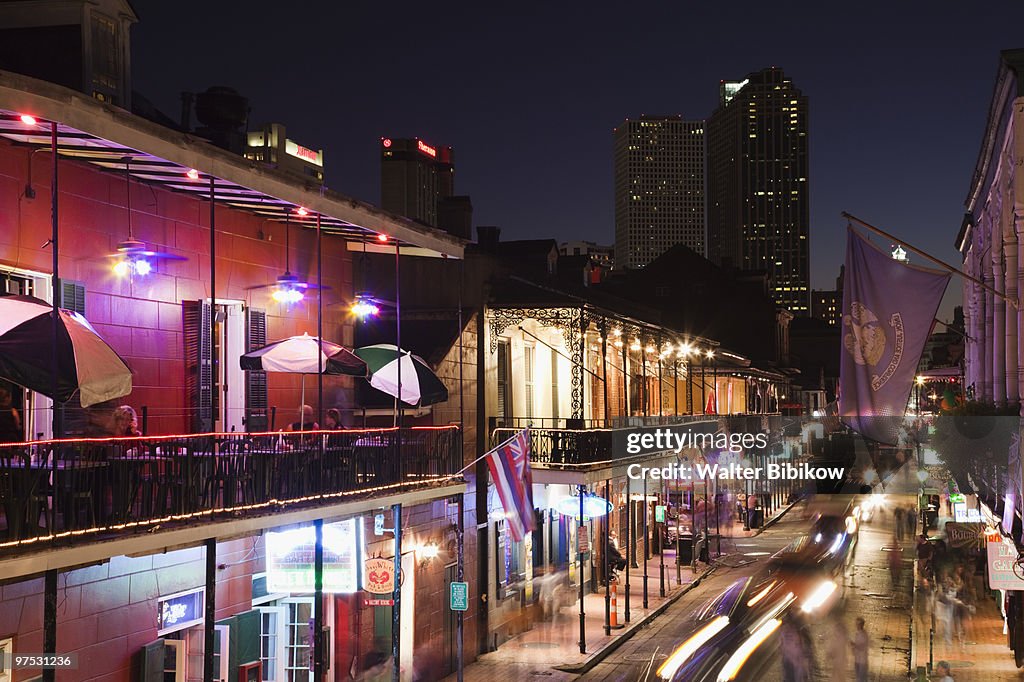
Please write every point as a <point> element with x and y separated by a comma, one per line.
<point>192,174</point>
<point>28,120</point>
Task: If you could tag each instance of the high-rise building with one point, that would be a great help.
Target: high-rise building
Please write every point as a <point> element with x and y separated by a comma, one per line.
<point>827,304</point>
<point>417,180</point>
<point>270,145</point>
<point>758,203</point>
<point>659,188</point>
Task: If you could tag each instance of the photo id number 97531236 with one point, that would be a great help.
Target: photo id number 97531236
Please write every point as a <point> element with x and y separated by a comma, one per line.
<point>41,661</point>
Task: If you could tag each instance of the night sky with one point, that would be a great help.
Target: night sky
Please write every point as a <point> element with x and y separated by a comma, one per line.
<point>899,94</point>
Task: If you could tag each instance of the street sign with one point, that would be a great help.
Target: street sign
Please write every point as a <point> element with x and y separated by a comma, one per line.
<point>459,597</point>
<point>378,602</point>
<point>584,539</point>
<point>378,524</point>
<point>659,513</point>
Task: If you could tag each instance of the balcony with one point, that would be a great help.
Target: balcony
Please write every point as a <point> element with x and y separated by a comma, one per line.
<point>559,443</point>
<point>72,492</point>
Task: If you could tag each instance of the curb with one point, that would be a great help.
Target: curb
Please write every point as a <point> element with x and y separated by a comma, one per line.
<point>775,519</point>
<point>599,656</point>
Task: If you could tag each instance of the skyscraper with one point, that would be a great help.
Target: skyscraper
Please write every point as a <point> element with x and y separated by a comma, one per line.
<point>417,180</point>
<point>659,188</point>
<point>758,207</point>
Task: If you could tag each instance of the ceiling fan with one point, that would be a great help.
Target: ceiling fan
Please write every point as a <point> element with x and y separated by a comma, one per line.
<point>288,288</point>
<point>133,257</point>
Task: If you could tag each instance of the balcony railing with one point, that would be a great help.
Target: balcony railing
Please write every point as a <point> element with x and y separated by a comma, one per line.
<point>615,422</point>
<point>59,490</point>
<point>557,448</point>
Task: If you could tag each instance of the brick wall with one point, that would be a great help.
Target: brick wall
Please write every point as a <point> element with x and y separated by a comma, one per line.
<point>141,316</point>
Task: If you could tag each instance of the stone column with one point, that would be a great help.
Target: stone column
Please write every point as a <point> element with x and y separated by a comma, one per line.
<point>1012,276</point>
<point>986,319</point>
<point>998,315</point>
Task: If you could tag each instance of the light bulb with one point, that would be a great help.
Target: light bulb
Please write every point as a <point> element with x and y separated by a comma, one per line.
<point>142,267</point>
<point>121,268</point>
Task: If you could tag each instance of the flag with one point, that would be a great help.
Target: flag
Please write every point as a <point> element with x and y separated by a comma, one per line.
<point>509,464</point>
<point>888,309</point>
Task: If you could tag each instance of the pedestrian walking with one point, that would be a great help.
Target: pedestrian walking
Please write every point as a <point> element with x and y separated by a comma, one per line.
<point>796,665</point>
<point>861,644</point>
<point>911,522</point>
<point>897,516</point>
<point>896,566</point>
<point>839,650</point>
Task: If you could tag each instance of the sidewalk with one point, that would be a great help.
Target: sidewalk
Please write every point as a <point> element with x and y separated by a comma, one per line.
<point>984,655</point>
<point>551,649</point>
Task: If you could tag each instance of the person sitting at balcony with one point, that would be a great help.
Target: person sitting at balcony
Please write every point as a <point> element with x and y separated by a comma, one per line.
<point>332,419</point>
<point>11,430</point>
<point>308,423</point>
<point>126,422</point>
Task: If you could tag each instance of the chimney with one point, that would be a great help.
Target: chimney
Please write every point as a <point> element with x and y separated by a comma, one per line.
<point>487,236</point>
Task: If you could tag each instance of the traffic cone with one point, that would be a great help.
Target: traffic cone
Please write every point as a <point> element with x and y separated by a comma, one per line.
<point>614,614</point>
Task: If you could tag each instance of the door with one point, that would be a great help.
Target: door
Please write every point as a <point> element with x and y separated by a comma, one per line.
<point>34,409</point>
<point>213,377</point>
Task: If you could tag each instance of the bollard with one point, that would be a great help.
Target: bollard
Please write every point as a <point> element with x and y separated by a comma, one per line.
<point>614,614</point>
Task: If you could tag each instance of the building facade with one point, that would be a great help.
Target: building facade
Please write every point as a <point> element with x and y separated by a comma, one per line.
<point>417,180</point>
<point>599,253</point>
<point>989,244</point>
<point>138,534</point>
<point>759,200</point>
<point>660,194</point>
<point>270,145</point>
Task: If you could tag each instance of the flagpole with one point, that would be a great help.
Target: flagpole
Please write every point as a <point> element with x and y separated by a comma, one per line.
<point>932,258</point>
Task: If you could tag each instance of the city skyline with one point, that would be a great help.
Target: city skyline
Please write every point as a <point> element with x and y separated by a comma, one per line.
<point>887,83</point>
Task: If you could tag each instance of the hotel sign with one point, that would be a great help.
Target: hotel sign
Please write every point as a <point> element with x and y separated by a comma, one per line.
<point>426,149</point>
<point>300,152</point>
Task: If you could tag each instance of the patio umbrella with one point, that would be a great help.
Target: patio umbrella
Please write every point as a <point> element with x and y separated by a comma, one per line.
<point>420,386</point>
<point>86,363</point>
<point>301,355</point>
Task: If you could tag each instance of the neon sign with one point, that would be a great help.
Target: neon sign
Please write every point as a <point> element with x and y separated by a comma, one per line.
<point>593,506</point>
<point>291,554</point>
<point>300,152</point>
<point>386,142</point>
<point>426,149</point>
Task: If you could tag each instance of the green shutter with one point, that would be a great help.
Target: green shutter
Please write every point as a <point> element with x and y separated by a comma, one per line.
<point>256,413</point>
<point>151,662</point>
<point>195,317</point>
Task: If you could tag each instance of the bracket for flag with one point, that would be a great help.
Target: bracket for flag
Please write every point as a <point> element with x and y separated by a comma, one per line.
<point>930,257</point>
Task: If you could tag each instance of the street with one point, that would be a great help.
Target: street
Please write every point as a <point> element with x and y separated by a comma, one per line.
<point>868,594</point>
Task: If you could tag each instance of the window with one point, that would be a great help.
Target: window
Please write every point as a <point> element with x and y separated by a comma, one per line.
<point>106,72</point>
<point>554,384</point>
<point>6,650</point>
<point>299,613</point>
<point>272,619</point>
<point>504,373</point>
<point>529,353</point>
<point>507,560</point>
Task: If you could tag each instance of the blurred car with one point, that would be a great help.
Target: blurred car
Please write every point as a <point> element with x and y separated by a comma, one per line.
<point>728,629</point>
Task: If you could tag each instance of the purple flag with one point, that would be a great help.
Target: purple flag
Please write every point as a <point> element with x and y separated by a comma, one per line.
<point>888,309</point>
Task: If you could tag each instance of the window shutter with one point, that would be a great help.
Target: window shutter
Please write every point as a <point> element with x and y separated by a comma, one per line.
<point>151,661</point>
<point>72,296</point>
<point>256,418</point>
<point>247,627</point>
<point>198,367</point>
<point>503,402</point>
<point>75,419</point>
<point>528,353</point>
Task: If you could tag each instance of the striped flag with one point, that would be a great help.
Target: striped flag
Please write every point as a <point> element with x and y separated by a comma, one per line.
<point>509,464</point>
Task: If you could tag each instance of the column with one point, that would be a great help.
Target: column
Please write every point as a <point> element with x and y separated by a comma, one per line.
<point>998,317</point>
<point>985,340</point>
<point>1011,275</point>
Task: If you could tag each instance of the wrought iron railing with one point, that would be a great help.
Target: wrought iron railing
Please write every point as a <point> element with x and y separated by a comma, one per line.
<point>60,490</point>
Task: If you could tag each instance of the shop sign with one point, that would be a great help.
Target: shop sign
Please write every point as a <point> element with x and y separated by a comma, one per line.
<point>965,535</point>
<point>378,602</point>
<point>459,596</point>
<point>180,611</point>
<point>584,539</point>
<point>1002,558</point>
<point>291,554</point>
<point>593,506</point>
<point>379,576</point>
<point>659,513</point>
<point>300,152</point>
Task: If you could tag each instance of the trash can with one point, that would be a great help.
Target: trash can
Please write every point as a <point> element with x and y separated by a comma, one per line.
<point>685,546</point>
<point>755,518</point>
